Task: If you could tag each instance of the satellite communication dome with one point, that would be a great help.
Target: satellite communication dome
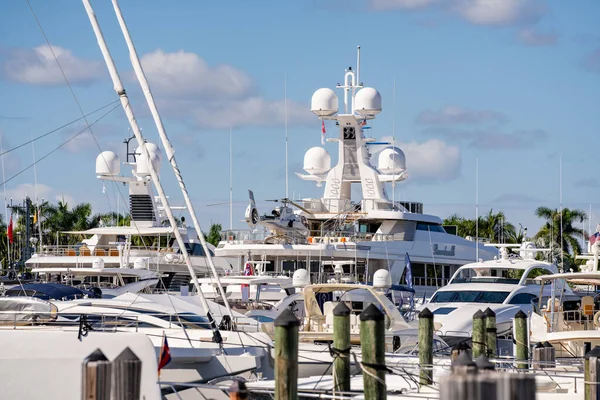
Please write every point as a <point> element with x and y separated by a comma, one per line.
<point>98,263</point>
<point>367,102</point>
<point>382,279</point>
<point>300,278</point>
<point>324,102</point>
<point>142,166</point>
<point>140,263</point>
<point>391,161</point>
<point>527,251</point>
<point>317,161</point>
<point>107,163</point>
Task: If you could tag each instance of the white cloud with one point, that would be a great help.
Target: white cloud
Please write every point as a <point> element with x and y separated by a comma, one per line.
<point>492,139</point>
<point>499,12</point>
<point>451,115</point>
<point>382,5</point>
<point>531,37</point>
<point>250,111</point>
<point>430,161</point>
<point>213,97</point>
<point>42,191</point>
<point>38,67</point>
<point>183,74</point>
<point>478,12</point>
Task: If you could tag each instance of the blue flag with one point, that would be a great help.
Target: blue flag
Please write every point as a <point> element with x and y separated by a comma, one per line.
<point>409,279</point>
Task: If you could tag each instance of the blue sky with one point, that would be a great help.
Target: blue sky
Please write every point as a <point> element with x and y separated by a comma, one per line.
<point>513,83</point>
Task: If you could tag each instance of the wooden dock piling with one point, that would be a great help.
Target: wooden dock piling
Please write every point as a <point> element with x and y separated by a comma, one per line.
<point>478,337</point>
<point>521,340</point>
<point>426,347</point>
<point>286,356</point>
<point>372,339</point>
<point>490,332</point>
<point>96,377</point>
<point>126,376</point>
<point>341,344</point>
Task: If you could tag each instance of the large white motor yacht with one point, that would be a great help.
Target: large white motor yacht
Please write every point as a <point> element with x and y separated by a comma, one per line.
<point>362,236</point>
<point>145,244</point>
<point>506,285</point>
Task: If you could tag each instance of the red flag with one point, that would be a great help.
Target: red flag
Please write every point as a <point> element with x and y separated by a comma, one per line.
<point>165,354</point>
<point>364,122</point>
<point>323,132</point>
<point>10,230</point>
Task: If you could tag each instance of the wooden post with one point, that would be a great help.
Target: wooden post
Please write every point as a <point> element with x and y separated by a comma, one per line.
<point>550,355</point>
<point>426,347</point>
<point>341,343</point>
<point>463,364</point>
<point>490,332</point>
<point>238,390</point>
<point>592,374</point>
<point>478,334</point>
<point>521,340</point>
<point>538,356</point>
<point>484,365</point>
<point>127,376</point>
<point>286,356</point>
<point>96,377</point>
<point>459,348</point>
<point>372,341</point>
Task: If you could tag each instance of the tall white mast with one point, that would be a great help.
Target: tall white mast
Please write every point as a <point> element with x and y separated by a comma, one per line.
<point>477,210</point>
<point>230,178</point>
<point>287,190</point>
<point>118,86</point>
<point>139,72</point>
<point>6,200</point>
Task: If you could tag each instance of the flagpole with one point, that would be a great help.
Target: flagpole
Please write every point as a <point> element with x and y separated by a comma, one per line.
<point>231,177</point>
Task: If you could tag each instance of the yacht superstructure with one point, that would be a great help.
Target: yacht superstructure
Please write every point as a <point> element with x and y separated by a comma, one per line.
<point>145,244</point>
<point>358,236</point>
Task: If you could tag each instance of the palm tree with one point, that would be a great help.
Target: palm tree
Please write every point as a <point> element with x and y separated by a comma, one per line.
<point>214,234</point>
<point>495,228</point>
<point>565,243</point>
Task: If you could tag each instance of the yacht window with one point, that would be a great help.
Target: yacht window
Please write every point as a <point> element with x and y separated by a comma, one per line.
<point>426,226</point>
<point>488,275</point>
<point>522,298</point>
<point>469,296</point>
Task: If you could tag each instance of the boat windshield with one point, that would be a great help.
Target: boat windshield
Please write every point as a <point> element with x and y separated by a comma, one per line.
<point>468,296</point>
<point>488,275</point>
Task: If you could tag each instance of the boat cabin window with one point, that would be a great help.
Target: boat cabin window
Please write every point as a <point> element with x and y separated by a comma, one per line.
<point>371,227</point>
<point>195,249</point>
<point>426,226</point>
<point>468,296</point>
<point>522,298</point>
<point>488,275</point>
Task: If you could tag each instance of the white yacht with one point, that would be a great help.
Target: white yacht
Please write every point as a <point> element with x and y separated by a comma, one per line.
<point>505,285</point>
<point>570,321</point>
<point>362,235</point>
<point>146,244</point>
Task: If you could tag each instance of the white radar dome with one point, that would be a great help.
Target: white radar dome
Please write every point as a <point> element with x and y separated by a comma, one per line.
<point>300,278</point>
<point>324,102</point>
<point>367,102</point>
<point>391,161</point>
<point>107,163</point>
<point>317,161</point>
<point>527,251</point>
<point>142,164</point>
<point>382,279</point>
<point>140,263</point>
<point>98,263</point>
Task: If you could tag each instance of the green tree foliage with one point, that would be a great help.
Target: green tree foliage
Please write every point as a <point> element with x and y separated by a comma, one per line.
<point>214,234</point>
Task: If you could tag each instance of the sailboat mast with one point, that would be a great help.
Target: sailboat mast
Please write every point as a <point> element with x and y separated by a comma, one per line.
<point>139,72</point>
<point>118,85</point>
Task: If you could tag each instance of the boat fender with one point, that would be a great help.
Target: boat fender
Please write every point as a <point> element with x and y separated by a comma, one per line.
<point>597,319</point>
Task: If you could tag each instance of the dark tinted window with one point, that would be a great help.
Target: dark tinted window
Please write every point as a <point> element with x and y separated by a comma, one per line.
<point>522,298</point>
